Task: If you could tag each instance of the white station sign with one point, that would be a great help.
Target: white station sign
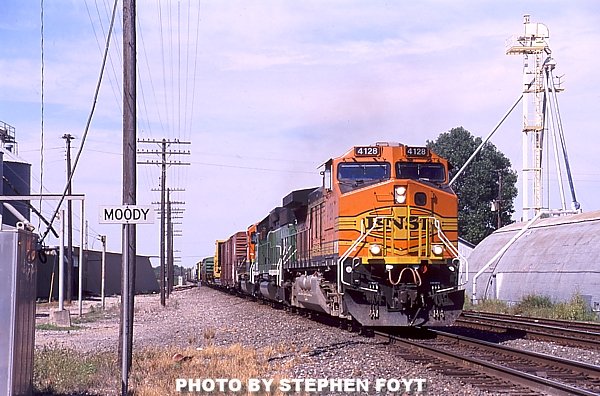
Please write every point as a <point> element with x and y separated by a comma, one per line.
<point>126,214</point>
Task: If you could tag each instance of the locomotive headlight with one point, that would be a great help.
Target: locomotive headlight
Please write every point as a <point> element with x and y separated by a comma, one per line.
<point>437,250</point>
<point>400,194</point>
<point>375,249</point>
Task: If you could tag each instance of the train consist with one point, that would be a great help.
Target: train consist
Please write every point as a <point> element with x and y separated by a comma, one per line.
<point>376,242</point>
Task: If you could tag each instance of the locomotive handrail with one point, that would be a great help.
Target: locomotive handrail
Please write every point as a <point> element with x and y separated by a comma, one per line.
<point>453,250</point>
<point>284,257</point>
<point>341,260</point>
<point>279,264</point>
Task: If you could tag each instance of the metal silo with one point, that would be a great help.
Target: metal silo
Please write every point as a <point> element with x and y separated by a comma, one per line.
<point>14,173</point>
<point>16,180</point>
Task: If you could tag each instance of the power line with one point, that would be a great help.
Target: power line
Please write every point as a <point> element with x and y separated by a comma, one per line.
<point>42,110</point>
<point>89,121</point>
<point>166,245</point>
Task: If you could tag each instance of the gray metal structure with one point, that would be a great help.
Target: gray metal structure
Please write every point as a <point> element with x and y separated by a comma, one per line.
<point>541,120</point>
<point>556,257</point>
<point>17,310</point>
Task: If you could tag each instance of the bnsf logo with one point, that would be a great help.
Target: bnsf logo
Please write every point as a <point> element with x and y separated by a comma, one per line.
<point>402,223</point>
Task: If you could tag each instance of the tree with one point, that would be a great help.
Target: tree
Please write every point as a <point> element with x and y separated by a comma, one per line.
<point>478,187</point>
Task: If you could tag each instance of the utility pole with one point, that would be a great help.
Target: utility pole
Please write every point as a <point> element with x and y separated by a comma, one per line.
<point>68,137</point>
<point>129,189</point>
<point>164,152</point>
<point>102,292</point>
<point>499,207</point>
<point>170,271</point>
<point>170,237</point>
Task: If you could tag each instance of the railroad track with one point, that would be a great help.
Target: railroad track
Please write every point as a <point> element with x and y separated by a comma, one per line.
<point>498,368</point>
<point>571,333</point>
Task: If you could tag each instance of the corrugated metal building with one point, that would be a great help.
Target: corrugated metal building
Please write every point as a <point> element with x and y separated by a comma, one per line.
<point>556,257</point>
<point>145,279</point>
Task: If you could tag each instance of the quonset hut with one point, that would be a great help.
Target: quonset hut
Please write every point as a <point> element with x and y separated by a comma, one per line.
<point>555,257</point>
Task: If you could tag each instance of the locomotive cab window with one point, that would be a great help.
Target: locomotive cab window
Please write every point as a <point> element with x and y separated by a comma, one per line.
<point>352,176</point>
<point>421,171</point>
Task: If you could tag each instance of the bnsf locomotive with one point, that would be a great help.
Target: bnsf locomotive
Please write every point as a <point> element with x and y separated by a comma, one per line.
<point>376,242</point>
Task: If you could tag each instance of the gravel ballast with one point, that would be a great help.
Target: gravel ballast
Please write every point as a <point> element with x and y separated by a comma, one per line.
<point>306,349</point>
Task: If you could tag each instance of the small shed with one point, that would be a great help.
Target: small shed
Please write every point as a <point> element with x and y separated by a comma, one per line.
<point>555,257</point>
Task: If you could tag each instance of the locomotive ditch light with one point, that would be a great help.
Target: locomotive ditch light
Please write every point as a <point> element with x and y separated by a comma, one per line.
<point>375,249</point>
<point>437,250</point>
<point>400,194</point>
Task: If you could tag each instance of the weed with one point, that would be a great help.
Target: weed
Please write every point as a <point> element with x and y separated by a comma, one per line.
<point>541,307</point>
<point>96,313</point>
<point>49,326</point>
<point>489,305</point>
<point>63,370</point>
<point>209,335</point>
<point>575,309</point>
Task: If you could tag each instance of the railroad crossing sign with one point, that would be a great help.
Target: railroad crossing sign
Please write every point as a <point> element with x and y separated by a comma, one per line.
<point>126,214</point>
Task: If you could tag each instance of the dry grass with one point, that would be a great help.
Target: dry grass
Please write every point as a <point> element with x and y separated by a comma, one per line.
<point>154,371</point>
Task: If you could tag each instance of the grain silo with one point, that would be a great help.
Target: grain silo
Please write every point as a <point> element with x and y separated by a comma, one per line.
<point>15,172</point>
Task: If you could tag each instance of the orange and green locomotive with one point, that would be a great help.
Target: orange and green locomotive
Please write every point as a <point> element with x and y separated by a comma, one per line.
<point>376,242</point>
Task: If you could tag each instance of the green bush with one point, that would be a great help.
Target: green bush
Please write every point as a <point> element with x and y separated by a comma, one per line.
<point>539,307</point>
<point>488,305</point>
<point>574,309</point>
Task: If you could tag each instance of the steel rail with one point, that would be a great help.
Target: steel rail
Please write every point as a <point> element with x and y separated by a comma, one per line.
<point>562,323</point>
<point>533,332</point>
<point>521,378</point>
<point>567,364</point>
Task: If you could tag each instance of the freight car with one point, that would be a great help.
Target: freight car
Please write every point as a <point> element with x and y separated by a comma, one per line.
<point>217,263</point>
<point>205,269</point>
<point>376,242</point>
<point>232,255</point>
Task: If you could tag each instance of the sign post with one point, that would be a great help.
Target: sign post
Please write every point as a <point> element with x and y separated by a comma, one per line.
<point>126,215</point>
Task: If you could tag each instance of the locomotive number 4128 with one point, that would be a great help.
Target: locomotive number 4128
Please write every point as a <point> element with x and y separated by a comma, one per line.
<point>417,151</point>
<point>367,151</point>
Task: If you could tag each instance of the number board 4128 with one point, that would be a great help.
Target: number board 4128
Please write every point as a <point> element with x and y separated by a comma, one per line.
<point>417,151</point>
<point>367,151</point>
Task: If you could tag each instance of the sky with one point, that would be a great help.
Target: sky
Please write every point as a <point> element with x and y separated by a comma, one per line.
<point>267,91</point>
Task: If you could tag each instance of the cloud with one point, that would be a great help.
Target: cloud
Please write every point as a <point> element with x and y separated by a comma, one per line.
<point>268,90</point>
